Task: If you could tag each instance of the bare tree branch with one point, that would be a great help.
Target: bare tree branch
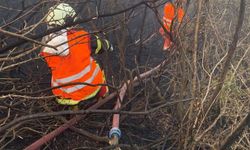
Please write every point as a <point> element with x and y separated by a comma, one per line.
<point>232,137</point>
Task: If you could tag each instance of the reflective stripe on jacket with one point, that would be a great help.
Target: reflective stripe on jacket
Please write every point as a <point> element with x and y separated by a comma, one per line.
<point>170,14</point>
<point>77,70</point>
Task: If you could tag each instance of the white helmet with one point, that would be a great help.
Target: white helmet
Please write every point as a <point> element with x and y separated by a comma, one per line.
<point>60,13</point>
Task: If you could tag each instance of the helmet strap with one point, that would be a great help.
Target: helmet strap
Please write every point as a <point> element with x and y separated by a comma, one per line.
<point>68,19</point>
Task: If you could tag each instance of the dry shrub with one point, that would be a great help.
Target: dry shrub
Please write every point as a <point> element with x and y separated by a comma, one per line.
<point>188,81</point>
<point>206,122</point>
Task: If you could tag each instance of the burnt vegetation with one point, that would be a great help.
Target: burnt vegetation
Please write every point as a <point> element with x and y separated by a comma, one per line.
<point>196,98</point>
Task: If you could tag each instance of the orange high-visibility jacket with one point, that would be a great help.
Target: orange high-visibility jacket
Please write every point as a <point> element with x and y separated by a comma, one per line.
<point>170,14</point>
<point>77,67</point>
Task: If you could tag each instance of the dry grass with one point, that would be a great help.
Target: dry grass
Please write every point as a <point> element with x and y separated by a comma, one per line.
<point>188,124</point>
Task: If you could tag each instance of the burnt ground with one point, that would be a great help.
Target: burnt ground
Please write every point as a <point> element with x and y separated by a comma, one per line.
<point>137,131</point>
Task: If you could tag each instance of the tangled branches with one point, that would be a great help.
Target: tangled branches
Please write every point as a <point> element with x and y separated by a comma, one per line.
<point>199,99</point>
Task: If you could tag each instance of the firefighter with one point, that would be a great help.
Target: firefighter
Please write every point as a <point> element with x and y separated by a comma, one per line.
<point>171,14</point>
<point>76,76</point>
